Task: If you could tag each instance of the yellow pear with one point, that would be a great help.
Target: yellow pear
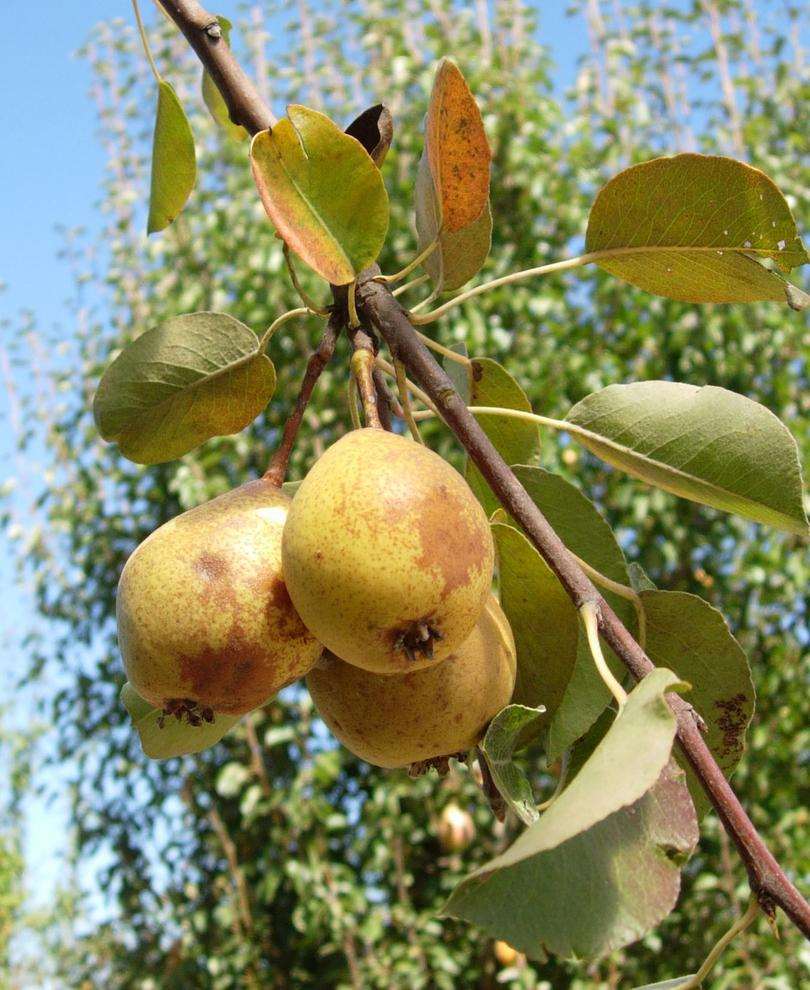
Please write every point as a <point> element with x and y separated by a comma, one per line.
<point>393,720</point>
<point>386,553</point>
<point>204,618</point>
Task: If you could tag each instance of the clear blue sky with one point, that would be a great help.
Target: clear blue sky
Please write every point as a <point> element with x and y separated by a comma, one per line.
<point>50,173</point>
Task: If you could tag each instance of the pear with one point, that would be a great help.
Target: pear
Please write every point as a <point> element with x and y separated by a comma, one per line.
<point>204,618</point>
<point>386,553</point>
<point>394,720</point>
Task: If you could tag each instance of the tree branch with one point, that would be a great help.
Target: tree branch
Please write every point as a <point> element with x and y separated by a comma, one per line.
<point>384,314</point>
<point>318,360</point>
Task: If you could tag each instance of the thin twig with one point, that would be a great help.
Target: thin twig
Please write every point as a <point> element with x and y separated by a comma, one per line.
<point>363,371</point>
<point>277,470</point>
<point>405,398</point>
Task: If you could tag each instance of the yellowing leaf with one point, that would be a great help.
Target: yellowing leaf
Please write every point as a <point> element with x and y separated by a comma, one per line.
<point>174,161</point>
<point>691,227</point>
<point>456,147</point>
<point>323,192</point>
<point>180,383</point>
<point>460,255</point>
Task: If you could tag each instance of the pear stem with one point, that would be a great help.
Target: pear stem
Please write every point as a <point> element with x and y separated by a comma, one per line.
<point>363,371</point>
<point>318,360</point>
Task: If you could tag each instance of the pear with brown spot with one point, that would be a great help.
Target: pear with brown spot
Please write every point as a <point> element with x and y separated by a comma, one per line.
<point>394,720</point>
<point>204,618</point>
<point>387,554</point>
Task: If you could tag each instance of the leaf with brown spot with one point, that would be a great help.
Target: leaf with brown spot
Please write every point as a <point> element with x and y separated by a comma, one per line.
<point>688,635</point>
<point>323,192</point>
<point>456,148</point>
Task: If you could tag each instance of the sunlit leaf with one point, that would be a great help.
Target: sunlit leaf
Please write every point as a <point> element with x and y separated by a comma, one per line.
<point>490,384</point>
<point>706,444</point>
<point>212,97</point>
<point>503,737</point>
<point>180,383</point>
<point>675,984</point>
<point>460,254</point>
<point>690,637</point>
<point>456,149</point>
<point>174,738</point>
<point>600,866</point>
<point>692,227</point>
<point>543,620</point>
<point>323,192</point>
<point>174,161</point>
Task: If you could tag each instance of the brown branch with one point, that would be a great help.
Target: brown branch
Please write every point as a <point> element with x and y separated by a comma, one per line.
<point>384,314</point>
<point>388,318</point>
<point>318,360</point>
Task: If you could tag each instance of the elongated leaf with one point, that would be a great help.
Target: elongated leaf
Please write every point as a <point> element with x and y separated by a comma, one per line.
<point>544,624</point>
<point>586,697</point>
<point>180,383</point>
<point>582,528</point>
<point>598,869</point>
<point>691,227</point>
<point>706,444</point>
<point>174,161</point>
<point>460,254</point>
<point>690,637</point>
<point>323,192</point>
<point>490,384</point>
<point>456,148</point>
<point>213,98</point>
<point>174,738</point>
<point>503,737</point>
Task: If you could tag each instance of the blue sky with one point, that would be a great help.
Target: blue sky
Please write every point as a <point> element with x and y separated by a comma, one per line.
<point>50,170</point>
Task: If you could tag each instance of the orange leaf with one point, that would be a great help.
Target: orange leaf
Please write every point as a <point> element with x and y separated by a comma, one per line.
<point>457,149</point>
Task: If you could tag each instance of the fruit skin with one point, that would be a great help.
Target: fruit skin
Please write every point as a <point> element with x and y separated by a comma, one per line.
<point>393,720</point>
<point>384,535</point>
<point>203,612</point>
<point>456,828</point>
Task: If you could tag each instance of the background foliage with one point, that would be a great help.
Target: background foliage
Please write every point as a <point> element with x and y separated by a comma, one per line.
<point>276,859</point>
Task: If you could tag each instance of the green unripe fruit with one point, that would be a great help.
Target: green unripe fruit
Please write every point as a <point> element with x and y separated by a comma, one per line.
<point>393,720</point>
<point>387,554</point>
<point>203,613</point>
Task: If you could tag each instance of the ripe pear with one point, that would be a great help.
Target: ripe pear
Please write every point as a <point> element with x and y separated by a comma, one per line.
<point>393,720</point>
<point>387,554</point>
<point>204,618</point>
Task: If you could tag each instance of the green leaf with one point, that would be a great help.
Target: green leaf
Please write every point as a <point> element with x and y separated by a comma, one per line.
<point>583,529</point>
<point>212,97</point>
<point>175,738</point>
<point>639,579</point>
<point>515,440</point>
<point>460,375</point>
<point>459,255</point>
<point>586,697</point>
<point>174,161</point>
<point>503,737</point>
<point>180,383</point>
<point>598,869</point>
<point>690,637</point>
<point>543,620</point>
<point>323,192</point>
<point>705,444</point>
<point>698,222</point>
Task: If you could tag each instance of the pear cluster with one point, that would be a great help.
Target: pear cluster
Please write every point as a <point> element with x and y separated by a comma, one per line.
<point>374,582</point>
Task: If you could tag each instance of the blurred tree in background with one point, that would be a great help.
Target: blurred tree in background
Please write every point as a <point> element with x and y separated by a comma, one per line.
<point>276,859</point>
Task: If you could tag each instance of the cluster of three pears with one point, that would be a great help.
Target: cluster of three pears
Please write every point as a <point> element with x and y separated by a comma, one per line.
<point>384,557</point>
